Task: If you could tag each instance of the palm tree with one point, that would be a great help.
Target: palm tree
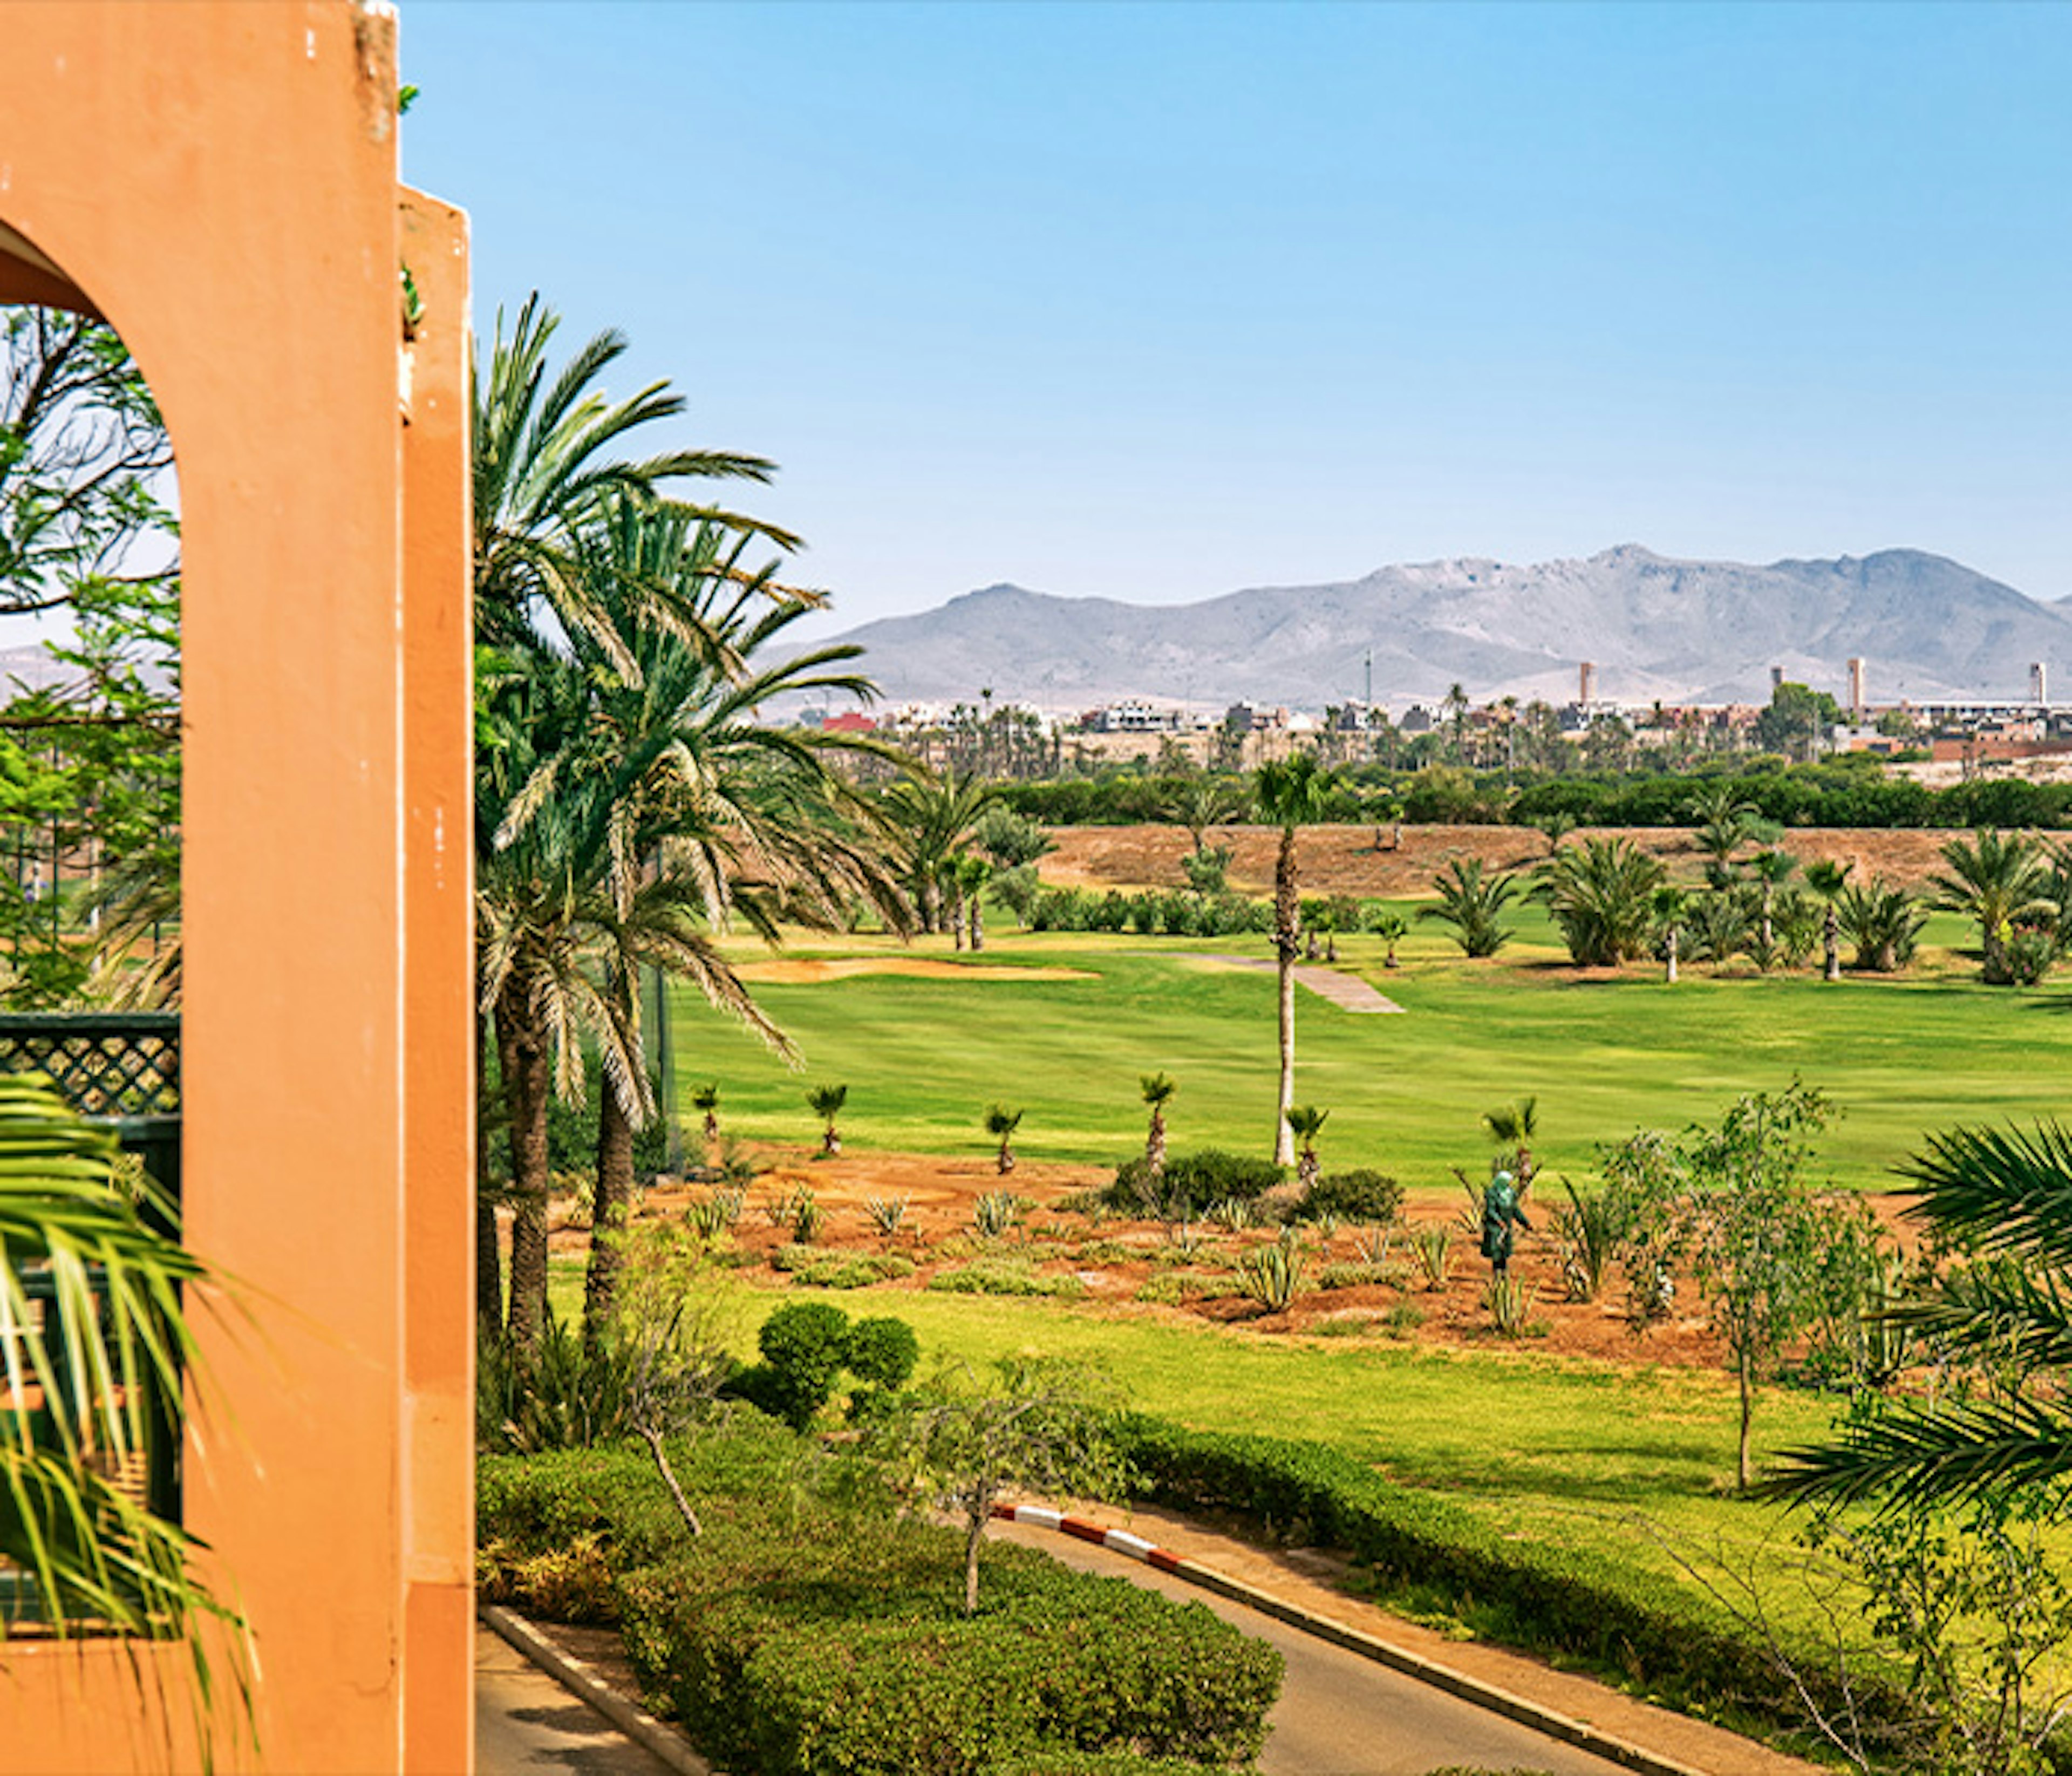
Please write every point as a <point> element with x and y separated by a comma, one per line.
<point>1200,803</point>
<point>1289,793</point>
<point>544,460</point>
<point>1773,869</point>
<point>705,1099</point>
<point>92,1295</point>
<point>929,818</point>
<point>1392,928</point>
<point>2001,881</point>
<point>1472,903</point>
<point>1883,922</point>
<point>1513,1125</point>
<point>1601,893</point>
<point>2006,1197</point>
<point>1305,1122</point>
<point>1001,1122</point>
<point>826,1102</point>
<point>1670,906</point>
<point>1158,1089</point>
<point>973,873</point>
<point>1827,879</point>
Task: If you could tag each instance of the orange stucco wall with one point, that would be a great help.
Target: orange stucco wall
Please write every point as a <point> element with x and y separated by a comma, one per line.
<point>219,179</point>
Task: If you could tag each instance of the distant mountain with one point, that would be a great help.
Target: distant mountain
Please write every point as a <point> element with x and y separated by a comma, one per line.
<point>1683,631</point>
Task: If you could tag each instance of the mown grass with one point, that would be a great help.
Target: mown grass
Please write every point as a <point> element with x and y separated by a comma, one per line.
<point>924,1057</point>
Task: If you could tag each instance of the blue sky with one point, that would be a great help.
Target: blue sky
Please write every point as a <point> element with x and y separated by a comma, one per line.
<point>1157,302</point>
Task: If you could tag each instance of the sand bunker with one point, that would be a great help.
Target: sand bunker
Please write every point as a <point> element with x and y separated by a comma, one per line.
<point>806,974</point>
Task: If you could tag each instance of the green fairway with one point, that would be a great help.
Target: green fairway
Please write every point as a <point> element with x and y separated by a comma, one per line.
<point>924,1057</point>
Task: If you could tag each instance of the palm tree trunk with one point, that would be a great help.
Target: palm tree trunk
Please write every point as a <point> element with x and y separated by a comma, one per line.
<point>955,916</point>
<point>526,1083</point>
<point>1287,912</point>
<point>978,923</point>
<point>1831,936</point>
<point>613,1197</point>
<point>488,1260</point>
<point>1154,1144</point>
<point>1671,952</point>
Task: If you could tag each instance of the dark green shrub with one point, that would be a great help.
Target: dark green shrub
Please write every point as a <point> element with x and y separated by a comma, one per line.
<point>1190,1184</point>
<point>803,1344</point>
<point>1371,1197</point>
<point>881,1353</point>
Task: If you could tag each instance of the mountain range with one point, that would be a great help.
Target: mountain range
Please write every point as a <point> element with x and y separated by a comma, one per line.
<point>1927,628</point>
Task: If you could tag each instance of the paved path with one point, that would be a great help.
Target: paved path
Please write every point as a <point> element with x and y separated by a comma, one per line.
<point>1348,992</point>
<point>1341,1715</point>
<point>526,1723</point>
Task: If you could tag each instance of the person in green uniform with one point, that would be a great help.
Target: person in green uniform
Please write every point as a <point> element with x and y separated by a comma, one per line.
<point>1501,1209</point>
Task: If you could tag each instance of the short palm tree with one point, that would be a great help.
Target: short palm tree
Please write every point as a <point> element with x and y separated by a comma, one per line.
<point>1001,1122</point>
<point>1601,893</point>
<point>2005,1196</point>
<point>2001,881</point>
<point>1883,922</point>
<point>1513,1125</point>
<point>1305,1122</point>
<point>1158,1089</point>
<point>705,1099</point>
<point>1289,793</point>
<point>826,1102</point>
<point>974,873</point>
<point>1472,901</point>
<point>1201,802</point>
<point>1671,906</point>
<point>1392,928</point>
<point>1828,878</point>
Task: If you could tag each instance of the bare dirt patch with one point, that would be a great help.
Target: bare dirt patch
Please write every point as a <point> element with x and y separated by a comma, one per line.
<point>1107,1261</point>
<point>1393,863</point>
<point>789,973</point>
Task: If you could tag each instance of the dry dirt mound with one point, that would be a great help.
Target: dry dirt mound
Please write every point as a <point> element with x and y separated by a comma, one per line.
<point>1396,862</point>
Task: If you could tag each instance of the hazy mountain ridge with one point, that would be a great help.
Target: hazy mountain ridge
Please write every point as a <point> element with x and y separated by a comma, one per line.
<point>1682,630</point>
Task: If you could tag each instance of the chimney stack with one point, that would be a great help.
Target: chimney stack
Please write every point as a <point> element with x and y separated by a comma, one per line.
<point>1776,679</point>
<point>2038,686</point>
<point>1856,692</point>
<point>1586,689</point>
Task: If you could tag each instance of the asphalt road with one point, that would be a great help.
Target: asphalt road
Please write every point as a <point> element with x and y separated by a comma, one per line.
<point>1341,1715</point>
<point>527,1725</point>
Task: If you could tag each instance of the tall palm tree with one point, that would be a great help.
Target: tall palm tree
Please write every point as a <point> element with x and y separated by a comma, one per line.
<point>1289,793</point>
<point>1158,1089</point>
<point>1773,869</point>
<point>2001,880</point>
<point>666,812</point>
<point>2005,1196</point>
<point>930,817</point>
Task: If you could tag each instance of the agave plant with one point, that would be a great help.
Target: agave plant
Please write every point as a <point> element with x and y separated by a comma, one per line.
<point>1272,1275</point>
<point>1434,1249</point>
<point>995,1213</point>
<point>886,1213</point>
<point>1589,1229</point>
<point>1510,1302</point>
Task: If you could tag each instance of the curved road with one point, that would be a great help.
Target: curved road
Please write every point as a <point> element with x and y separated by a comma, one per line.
<point>1341,1715</point>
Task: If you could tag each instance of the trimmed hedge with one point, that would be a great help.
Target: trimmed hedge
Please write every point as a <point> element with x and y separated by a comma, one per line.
<point>1555,1600</point>
<point>792,1636</point>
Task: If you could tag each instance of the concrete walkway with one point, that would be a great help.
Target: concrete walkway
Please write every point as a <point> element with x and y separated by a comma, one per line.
<point>1348,992</point>
<point>526,1723</point>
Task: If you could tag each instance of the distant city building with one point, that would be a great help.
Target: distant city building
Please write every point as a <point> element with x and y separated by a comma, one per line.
<point>848,721</point>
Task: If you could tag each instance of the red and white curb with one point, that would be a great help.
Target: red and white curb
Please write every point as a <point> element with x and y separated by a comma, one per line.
<point>1119,1541</point>
<point>1579,1733</point>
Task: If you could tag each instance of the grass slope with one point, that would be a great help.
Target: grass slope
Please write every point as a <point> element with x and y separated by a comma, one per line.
<point>924,1057</point>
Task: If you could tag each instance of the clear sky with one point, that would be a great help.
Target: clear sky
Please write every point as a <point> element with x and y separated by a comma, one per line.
<point>1156,302</point>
